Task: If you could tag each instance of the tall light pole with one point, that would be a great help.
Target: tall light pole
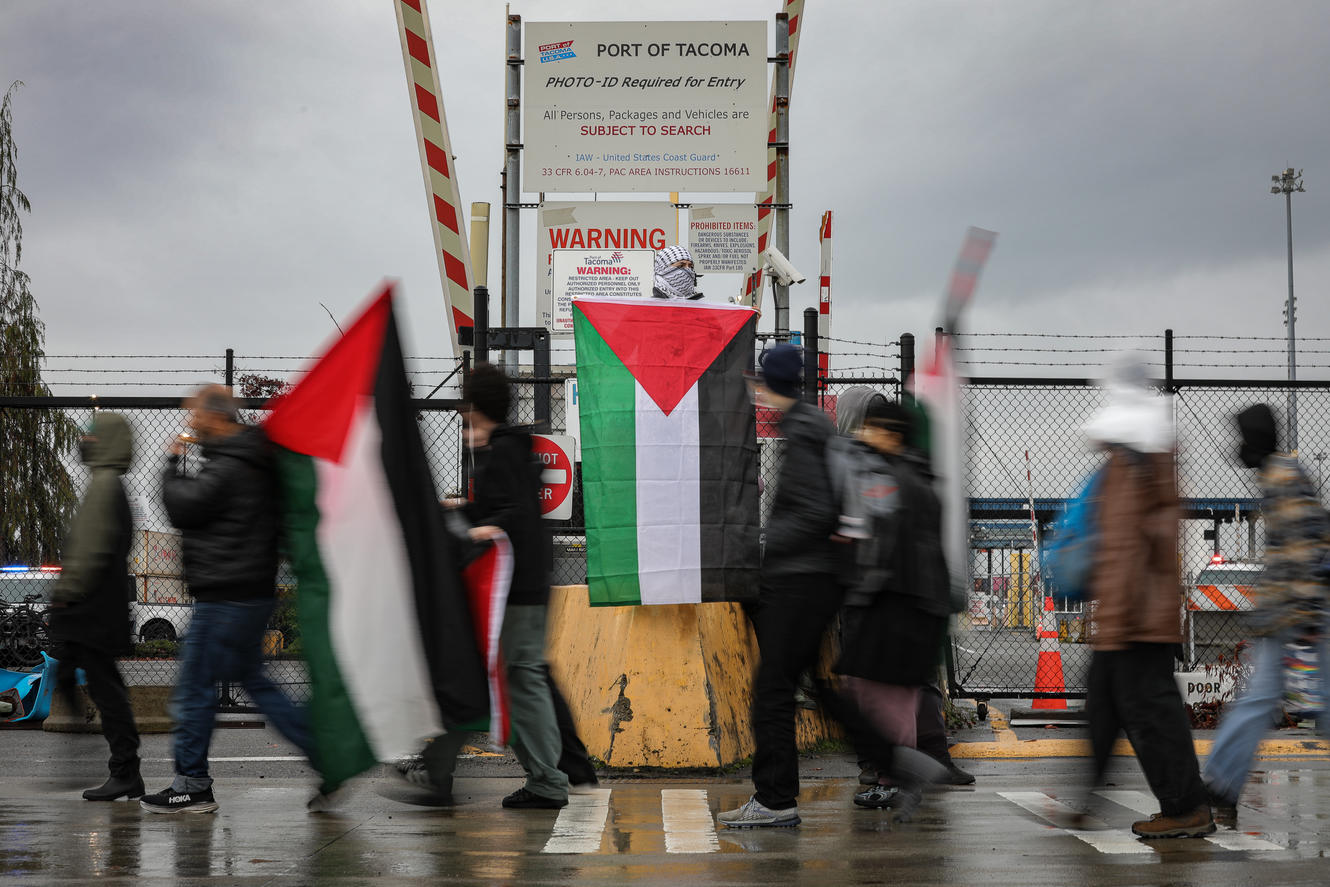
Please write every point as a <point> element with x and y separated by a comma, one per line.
<point>1286,183</point>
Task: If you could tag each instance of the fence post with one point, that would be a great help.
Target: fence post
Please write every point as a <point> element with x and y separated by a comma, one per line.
<point>230,367</point>
<point>810,356</point>
<point>907,357</point>
<point>1168,362</point>
<point>541,391</point>
<point>481,336</point>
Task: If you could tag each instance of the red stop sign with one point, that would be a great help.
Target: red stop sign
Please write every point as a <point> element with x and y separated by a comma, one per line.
<point>556,477</point>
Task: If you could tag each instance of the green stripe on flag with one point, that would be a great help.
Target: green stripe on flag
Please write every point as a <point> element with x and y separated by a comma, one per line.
<point>341,749</point>
<point>609,468</point>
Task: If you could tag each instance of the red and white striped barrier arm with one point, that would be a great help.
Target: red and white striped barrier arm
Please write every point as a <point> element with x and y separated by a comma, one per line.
<point>824,296</point>
<point>436,162</point>
<point>752,287</point>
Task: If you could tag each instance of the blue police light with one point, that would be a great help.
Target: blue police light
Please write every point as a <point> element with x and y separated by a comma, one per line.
<point>14,569</point>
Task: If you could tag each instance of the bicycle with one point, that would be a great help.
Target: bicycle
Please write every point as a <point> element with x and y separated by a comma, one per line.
<point>24,633</point>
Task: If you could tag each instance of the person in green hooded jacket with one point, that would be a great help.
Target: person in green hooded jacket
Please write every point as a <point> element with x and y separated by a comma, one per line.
<point>90,619</point>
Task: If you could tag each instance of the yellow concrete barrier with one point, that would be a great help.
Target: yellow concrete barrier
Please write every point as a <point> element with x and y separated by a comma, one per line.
<point>660,686</point>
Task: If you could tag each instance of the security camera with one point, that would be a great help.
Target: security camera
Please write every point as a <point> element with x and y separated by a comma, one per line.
<point>779,266</point>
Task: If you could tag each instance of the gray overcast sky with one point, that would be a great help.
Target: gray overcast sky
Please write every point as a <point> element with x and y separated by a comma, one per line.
<point>203,175</point>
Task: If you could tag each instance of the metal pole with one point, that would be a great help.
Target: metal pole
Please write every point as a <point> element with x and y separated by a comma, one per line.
<point>541,391</point>
<point>481,336</point>
<point>810,356</point>
<point>907,357</point>
<point>230,368</point>
<point>780,294</point>
<point>1292,341</point>
<point>512,189</point>
<point>1168,361</point>
<point>1286,183</point>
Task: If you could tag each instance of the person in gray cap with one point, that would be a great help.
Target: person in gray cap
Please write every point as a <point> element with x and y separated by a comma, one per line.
<point>674,274</point>
<point>799,593</point>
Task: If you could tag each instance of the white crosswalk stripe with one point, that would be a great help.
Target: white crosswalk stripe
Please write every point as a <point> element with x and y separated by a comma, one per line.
<point>1144,804</point>
<point>686,817</point>
<point>581,825</point>
<point>1098,836</point>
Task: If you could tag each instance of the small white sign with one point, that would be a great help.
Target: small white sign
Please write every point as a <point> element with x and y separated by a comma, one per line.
<point>1197,686</point>
<point>723,238</point>
<point>598,274</point>
<point>572,416</point>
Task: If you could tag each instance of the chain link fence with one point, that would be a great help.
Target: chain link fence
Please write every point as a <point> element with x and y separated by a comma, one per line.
<point>1024,445</point>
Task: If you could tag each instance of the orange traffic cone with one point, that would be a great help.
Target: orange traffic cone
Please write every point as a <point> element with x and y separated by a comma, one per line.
<point>1048,672</point>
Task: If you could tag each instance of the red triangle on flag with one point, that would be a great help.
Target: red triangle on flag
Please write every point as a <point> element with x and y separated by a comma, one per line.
<point>314,417</point>
<point>667,346</point>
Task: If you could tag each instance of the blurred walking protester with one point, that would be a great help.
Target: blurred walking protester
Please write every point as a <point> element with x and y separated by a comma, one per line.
<point>1292,613</point>
<point>90,618</point>
<point>1137,593</point>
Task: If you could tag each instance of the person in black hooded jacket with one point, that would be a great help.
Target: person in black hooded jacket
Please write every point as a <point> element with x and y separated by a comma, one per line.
<point>799,595</point>
<point>90,604</point>
<point>229,517</point>
<point>897,602</point>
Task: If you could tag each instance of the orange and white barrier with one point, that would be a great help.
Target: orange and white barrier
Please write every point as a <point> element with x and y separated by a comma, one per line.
<point>1219,598</point>
<point>436,162</point>
<point>752,288</point>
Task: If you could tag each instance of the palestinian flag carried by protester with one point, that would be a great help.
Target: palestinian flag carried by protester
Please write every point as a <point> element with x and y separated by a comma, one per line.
<point>385,622</point>
<point>669,450</point>
<point>937,391</point>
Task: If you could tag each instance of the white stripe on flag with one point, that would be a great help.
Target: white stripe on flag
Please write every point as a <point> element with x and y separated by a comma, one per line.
<point>669,511</point>
<point>372,612</point>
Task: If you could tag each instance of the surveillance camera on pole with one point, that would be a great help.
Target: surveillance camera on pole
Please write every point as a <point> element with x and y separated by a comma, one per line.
<point>775,262</point>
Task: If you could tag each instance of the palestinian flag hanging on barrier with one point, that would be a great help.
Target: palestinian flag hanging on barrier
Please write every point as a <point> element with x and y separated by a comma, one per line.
<point>385,622</point>
<point>669,450</point>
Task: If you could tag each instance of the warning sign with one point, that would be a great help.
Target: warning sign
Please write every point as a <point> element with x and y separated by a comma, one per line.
<point>605,225</point>
<point>580,274</point>
<point>555,452</point>
<point>723,239</point>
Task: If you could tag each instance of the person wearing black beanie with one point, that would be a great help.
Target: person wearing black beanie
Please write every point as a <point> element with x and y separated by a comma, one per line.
<point>1291,614</point>
<point>799,593</point>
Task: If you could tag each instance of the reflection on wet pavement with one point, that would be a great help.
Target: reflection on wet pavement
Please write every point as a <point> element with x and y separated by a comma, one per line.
<point>1003,832</point>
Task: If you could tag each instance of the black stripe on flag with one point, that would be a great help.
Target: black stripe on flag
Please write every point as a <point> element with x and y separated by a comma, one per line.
<point>728,473</point>
<point>455,665</point>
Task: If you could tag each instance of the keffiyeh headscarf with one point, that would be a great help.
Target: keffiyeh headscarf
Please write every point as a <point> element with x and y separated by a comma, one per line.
<point>674,283</point>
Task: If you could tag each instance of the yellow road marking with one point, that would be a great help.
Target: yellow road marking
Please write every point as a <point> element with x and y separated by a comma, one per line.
<point>1005,744</point>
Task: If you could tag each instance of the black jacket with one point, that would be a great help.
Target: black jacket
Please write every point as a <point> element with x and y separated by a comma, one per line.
<point>228,515</point>
<point>803,512</point>
<point>506,491</point>
<point>901,600</point>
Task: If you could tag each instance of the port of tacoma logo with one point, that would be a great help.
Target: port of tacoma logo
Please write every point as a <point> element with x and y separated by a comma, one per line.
<point>554,52</point>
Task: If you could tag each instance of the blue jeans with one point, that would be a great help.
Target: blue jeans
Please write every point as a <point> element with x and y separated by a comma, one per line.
<point>1247,719</point>
<point>225,643</point>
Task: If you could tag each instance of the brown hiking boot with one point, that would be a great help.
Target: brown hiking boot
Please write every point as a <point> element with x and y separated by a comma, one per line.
<point>1195,824</point>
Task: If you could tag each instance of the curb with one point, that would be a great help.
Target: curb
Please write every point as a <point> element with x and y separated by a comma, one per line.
<point>1006,745</point>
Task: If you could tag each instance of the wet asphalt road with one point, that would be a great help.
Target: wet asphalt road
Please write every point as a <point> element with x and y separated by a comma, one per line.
<point>634,830</point>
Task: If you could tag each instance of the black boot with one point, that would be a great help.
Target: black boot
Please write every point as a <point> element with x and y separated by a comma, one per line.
<point>130,786</point>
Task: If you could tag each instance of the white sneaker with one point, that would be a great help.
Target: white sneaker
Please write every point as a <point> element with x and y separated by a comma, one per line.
<point>756,815</point>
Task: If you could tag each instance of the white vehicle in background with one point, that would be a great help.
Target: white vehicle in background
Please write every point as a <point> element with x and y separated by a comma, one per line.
<point>161,609</point>
<point>1219,604</point>
<point>1224,586</point>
